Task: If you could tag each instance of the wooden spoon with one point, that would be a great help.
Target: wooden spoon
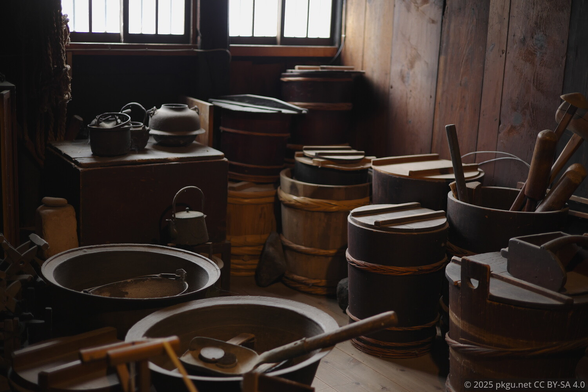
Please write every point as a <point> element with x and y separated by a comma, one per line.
<point>217,357</point>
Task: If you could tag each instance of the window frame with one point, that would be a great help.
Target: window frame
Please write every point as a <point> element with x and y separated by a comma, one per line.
<point>125,37</point>
<point>334,40</point>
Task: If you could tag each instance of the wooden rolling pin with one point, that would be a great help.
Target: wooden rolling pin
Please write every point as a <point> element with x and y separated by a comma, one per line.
<point>563,189</point>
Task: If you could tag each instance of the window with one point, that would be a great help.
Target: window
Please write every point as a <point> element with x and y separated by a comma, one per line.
<point>284,22</point>
<point>157,21</point>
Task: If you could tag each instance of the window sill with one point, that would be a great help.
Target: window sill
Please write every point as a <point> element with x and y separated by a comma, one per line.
<point>126,49</point>
<point>282,51</point>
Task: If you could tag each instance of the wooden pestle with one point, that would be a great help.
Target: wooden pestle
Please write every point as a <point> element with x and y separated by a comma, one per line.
<point>563,189</point>
<point>538,178</point>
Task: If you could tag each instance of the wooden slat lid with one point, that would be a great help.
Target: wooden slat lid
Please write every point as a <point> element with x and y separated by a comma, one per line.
<point>410,217</point>
<point>352,163</point>
<point>424,166</point>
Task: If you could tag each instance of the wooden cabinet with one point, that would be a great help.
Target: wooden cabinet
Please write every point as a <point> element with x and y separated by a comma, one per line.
<point>127,199</point>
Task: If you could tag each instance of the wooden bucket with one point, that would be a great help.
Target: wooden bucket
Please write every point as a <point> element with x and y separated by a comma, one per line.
<point>422,178</point>
<point>486,224</point>
<point>327,95</point>
<point>250,220</point>
<point>396,260</point>
<point>503,329</point>
<point>314,231</point>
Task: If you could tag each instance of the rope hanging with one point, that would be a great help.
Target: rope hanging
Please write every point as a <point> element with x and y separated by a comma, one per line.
<point>395,270</point>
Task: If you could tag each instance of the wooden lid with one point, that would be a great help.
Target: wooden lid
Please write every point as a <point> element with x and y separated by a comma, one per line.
<point>424,166</point>
<point>498,285</point>
<point>256,104</point>
<point>339,163</point>
<point>342,154</point>
<point>398,217</point>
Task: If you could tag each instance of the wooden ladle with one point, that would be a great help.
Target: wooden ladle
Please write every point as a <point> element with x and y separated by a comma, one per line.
<point>220,358</point>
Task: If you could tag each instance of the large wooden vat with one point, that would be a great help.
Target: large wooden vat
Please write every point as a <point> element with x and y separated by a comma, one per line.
<point>250,220</point>
<point>396,259</point>
<point>314,231</point>
<point>327,95</point>
<point>504,329</point>
<point>422,178</point>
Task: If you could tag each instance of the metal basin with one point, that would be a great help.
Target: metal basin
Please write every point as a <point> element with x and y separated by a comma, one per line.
<point>69,274</point>
<point>273,321</point>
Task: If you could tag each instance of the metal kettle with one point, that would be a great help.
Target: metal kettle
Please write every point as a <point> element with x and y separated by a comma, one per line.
<point>188,227</point>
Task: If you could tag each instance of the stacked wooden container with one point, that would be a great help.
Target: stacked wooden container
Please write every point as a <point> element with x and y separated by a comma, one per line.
<point>314,210</point>
<point>253,135</point>
<point>326,92</point>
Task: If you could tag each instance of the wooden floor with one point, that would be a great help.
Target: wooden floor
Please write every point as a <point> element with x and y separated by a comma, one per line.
<point>346,369</point>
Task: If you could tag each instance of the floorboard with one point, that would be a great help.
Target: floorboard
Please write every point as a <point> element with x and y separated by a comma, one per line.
<point>346,369</point>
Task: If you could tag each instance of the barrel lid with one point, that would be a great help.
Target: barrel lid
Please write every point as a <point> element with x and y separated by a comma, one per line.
<point>322,71</point>
<point>256,104</point>
<point>494,283</point>
<point>335,162</point>
<point>423,166</point>
<point>410,217</point>
<point>343,154</point>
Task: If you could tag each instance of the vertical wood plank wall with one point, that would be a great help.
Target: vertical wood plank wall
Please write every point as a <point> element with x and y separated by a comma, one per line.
<point>494,68</point>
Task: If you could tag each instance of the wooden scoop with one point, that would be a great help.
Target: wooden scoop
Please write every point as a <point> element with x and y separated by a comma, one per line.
<point>217,357</point>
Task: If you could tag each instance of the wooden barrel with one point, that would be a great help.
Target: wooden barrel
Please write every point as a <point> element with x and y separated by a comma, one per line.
<point>250,220</point>
<point>327,95</point>
<point>314,231</point>
<point>396,260</point>
<point>422,178</point>
<point>503,329</point>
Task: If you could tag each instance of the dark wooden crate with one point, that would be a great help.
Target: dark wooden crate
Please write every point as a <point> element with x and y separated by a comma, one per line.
<point>127,199</point>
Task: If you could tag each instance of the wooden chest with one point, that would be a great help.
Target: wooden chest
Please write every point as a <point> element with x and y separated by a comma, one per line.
<point>127,199</point>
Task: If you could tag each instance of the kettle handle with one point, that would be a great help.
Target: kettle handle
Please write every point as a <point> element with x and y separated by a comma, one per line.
<point>182,190</point>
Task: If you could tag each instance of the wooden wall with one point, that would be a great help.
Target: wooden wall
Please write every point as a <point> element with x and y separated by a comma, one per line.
<point>494,68</point>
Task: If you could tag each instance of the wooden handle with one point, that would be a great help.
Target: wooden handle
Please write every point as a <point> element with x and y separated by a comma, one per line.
<point>141,350</point>
<point>541,162</point>
<point>410,218</point>
<point>462,192</point>
<point>570,148</point>
<point>563,189</point>
<point>565,119</point>
<point>328,339</point>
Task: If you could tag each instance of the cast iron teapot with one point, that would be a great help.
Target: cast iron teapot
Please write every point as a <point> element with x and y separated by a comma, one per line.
<point>188,227</point>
